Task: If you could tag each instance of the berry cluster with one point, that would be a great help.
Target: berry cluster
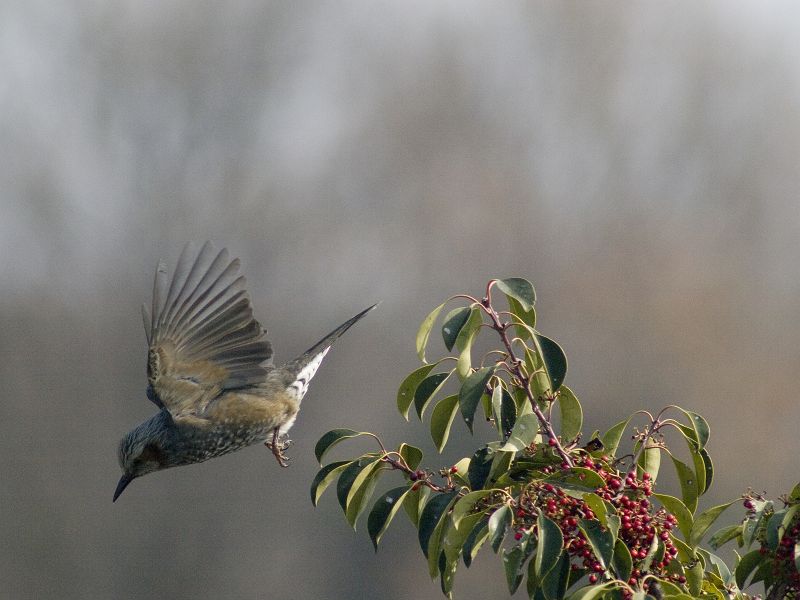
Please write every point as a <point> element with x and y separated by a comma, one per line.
<point>640,522</point>
<point>784,567</point>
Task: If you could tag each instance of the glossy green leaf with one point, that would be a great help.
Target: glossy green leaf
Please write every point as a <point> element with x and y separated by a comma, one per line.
<point>590,592</point>
<point>700,470</point>
<point>773,530</point>
<point>383,512</point>
<point>718,567</point>
<point>688,481</point>
<point>508,414</point>
<point>699,426</point>
<point>471,391</point>
<point>431,515</point>
<point>704,521</point>
<point>411,454</point>
<point>621,562</point>
<point>453,323</point>
<point>794,495</point>
<point>694,578</point>
<point>447,570</point>
<point>747,564</point>
<point>361,491</point>
<point>525,319</point>
<point>555,361</point>
<point>479,466</point>
<point>598,506</point>
<point>554,584</point>
<point>655,553</point>
<point>466,505</point>
<point>470,329</point>
<point>475,539</point>
<point>650,461</point>
<point>724,535</point>
<point>333,437</point>
<point>415,502</point>
<point>455,536</point>
<point>523,433</point>
<point>709,466</point>
<point>442,420</point>
<point>683,514</point>
<point>571,414</point>
<point>427,389</point>
<point>501,462</point>
<point>435,542</point>
<point>512,561</point>
<point>549,547</point>
<point>601,540</point>
<point>407,389</point>
<point>325,477</point>
<point>520,289</point>
<point>613,436</point>
<point>425,331</point>
<point>498,523</point>
<point>348,477</point>
<point>579,478</point>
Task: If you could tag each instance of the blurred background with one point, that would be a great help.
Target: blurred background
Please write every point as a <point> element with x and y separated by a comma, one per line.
<point>638,162</point>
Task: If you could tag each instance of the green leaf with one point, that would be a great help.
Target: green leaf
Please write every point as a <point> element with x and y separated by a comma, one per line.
<point>447,569</point>
<point>747,564</point>
<point>598,506</point>
<point>508,414</point>
<point>571,414</point>
<point>590,592</point>
<point>613,436</point>
<point>554,584</point>
<point>621,562</point>
<point>453,541</point>
<point>442,419</point>
<point>479,466</point>
<point>650,461</point>
<point>688,481</point>
<point>549,549</point>
<point>704,521</point>
<point>425,331</point>
<point>498,522</point>
<point>324,478</point>
<point>512,561</point>
<point>471,391</point>
<point>333,437</point>
<point>601,540</point>
<point>383,512</point>
<point>523,433</point>
<point>407,389</point>
<point>683,514</point>
<point>431,515</point>
<point>501,462</point>
<point>453,323</point>
<point>475,540</point>
<point>466,504</point>
<point>724,535</point>
<point>427,389</point>
<point>555,361</point>
<point>700,470</point>
<point>415,502</point>
<point>773,528</point>
<point>794,495</point>
<point>411,454</point>
<point>519,289</point>
<point>797,556</point>
<point>470,329</point>
<point>523,318</point>
<point>694,578</point>
<point>348,477</point>
<point>699,426</point>
<point>361,491</point>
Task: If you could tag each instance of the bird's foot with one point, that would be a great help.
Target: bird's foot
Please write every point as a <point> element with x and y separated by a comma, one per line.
<point>278,446</point>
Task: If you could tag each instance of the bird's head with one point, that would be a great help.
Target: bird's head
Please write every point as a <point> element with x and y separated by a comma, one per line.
<point>140,452</point>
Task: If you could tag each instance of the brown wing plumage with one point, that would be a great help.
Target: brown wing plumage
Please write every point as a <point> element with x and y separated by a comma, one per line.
<point>201,333</point>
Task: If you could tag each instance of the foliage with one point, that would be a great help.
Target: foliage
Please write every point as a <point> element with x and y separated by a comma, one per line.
<point>571,518</point>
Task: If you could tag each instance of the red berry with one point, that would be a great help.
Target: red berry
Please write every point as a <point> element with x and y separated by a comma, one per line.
<point>551,442</point>
<point>518,536</point>
<point>592,578</point>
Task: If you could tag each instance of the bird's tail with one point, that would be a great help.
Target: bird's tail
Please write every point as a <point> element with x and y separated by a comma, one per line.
<point>306,365</point>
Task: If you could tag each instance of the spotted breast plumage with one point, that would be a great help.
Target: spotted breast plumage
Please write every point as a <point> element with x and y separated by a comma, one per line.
<point>210,371</point>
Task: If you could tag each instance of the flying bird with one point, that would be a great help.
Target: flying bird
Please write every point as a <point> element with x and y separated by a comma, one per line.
<point>210,371</point>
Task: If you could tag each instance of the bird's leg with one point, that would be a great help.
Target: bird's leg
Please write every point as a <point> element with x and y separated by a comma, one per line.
<point>278,447</point>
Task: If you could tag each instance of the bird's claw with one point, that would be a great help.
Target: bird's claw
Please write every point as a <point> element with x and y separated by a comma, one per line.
<point>277,446</point>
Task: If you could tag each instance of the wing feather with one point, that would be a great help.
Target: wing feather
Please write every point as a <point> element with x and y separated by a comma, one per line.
<point>201,332</point>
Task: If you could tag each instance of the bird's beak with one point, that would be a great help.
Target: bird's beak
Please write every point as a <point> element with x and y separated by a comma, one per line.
<point>123,483</point>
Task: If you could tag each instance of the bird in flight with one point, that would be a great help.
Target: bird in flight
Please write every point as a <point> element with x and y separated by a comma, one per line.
<point>210,371</point>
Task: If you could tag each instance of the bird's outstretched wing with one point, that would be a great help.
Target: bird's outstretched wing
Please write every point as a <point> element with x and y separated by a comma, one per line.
<point>201,333</point>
